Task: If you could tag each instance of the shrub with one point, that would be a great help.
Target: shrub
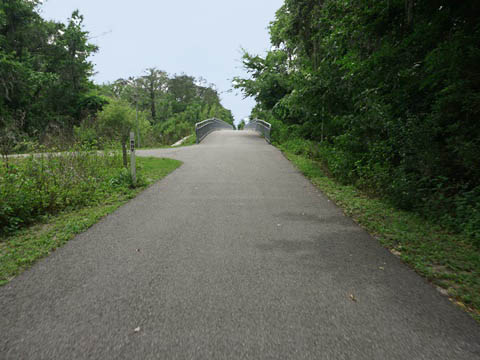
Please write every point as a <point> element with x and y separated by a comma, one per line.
<point>41,185</point>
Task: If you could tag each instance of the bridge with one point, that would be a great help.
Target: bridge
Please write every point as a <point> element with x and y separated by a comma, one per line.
<point>234,255</point>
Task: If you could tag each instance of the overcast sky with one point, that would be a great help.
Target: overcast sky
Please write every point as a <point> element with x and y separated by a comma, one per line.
<point>199,38</point>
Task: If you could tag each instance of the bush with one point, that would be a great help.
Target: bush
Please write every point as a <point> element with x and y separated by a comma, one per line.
<point>41,185</point>
<point>173,130</point>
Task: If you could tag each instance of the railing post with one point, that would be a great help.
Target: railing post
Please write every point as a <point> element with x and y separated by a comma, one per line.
<point>261,127</point>
<point>203,128</point>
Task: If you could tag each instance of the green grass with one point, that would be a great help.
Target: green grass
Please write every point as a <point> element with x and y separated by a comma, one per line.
<point>446,259</point>
<point>192,140</point>
<point>21,249</point>
<point>151,147</point>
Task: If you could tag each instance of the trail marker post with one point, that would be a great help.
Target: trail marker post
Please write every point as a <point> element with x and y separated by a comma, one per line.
<point>132,158</point>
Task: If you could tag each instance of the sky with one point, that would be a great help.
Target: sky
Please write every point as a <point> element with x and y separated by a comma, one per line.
<point>199,38</point>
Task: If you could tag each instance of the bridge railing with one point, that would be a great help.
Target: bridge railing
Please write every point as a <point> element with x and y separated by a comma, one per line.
<point>205,127</point>
<point>260,126</point>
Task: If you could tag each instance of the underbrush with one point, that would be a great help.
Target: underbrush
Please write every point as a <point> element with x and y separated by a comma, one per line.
<point>448,259</point>
<point>40,185</point>
<point>172,130</point>
<point>45,201</point>
<point>192,140</point>
<point>453,207</point>
<point>45,184</point>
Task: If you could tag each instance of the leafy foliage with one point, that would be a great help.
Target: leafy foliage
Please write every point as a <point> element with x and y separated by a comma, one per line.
<point>445,259</point>
<point>44,72</point>
<point>171,104</point>
<point>388,94</point>
<point>20,249</point>
<point>39,185</point>
<point>47,97</point>
<point>241,125</point>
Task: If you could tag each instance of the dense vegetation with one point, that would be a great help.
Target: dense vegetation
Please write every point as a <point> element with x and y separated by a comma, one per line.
<point>385,93</point>
<point>47,96</point>
<point>168,105</point>
<point>44,75</point>
<point>33,187</point>
<point>443,257</point>
<point>68,203</point>
<point>49,102</point>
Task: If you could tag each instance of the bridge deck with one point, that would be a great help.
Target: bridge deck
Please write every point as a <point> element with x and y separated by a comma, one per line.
<point>240,257</point>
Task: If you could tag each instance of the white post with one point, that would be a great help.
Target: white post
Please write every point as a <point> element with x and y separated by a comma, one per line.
<point>132,158</point>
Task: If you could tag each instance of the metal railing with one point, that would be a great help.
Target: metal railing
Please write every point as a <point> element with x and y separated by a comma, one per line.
<point>260,126</point>
<point>205,127</point>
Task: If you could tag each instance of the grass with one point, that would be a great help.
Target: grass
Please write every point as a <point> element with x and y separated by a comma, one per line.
<point>192,140</point>
<point>18,251</point>
<point>151,147</point>
<point>446,259</point>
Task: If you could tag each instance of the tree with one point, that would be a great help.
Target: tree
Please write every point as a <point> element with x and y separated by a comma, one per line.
<point>73,68</point>
<point>116,121</point>
<point>175,103</point>
<point>241,125</point>
<point>154,83</point>
<point>392,89</point>
<point>44,69</point>
<point>182,90</point>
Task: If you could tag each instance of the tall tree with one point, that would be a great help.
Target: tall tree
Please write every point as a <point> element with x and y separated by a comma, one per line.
<point>116,121</point>
<point>391,86</point>
<point>44,70</point>
<point>155,82</point>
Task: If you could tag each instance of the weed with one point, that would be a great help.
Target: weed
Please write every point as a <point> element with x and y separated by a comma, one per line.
<point>23,245</point>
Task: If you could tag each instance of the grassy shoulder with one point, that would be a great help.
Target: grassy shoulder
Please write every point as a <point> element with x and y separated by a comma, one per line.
<point>20,250</point>
<point>446,259</point>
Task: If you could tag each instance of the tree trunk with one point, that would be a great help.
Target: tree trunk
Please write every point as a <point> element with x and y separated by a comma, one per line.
<point>124,154</point>
<point>152,105</point>
<point>409,11</point>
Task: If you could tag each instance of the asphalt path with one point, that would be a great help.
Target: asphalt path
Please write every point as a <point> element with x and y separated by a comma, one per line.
<point>235,255</point>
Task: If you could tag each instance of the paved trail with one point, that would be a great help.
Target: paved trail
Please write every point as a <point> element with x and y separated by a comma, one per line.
<point>240,258</point>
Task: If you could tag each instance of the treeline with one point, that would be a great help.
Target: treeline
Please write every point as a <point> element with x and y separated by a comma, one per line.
<point>385,93</point>
<point>44,74</point>
<point>47,95</point>
<point>169,105</point>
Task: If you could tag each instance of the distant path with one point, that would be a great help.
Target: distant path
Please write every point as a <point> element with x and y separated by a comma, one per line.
<point>233,256</point>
